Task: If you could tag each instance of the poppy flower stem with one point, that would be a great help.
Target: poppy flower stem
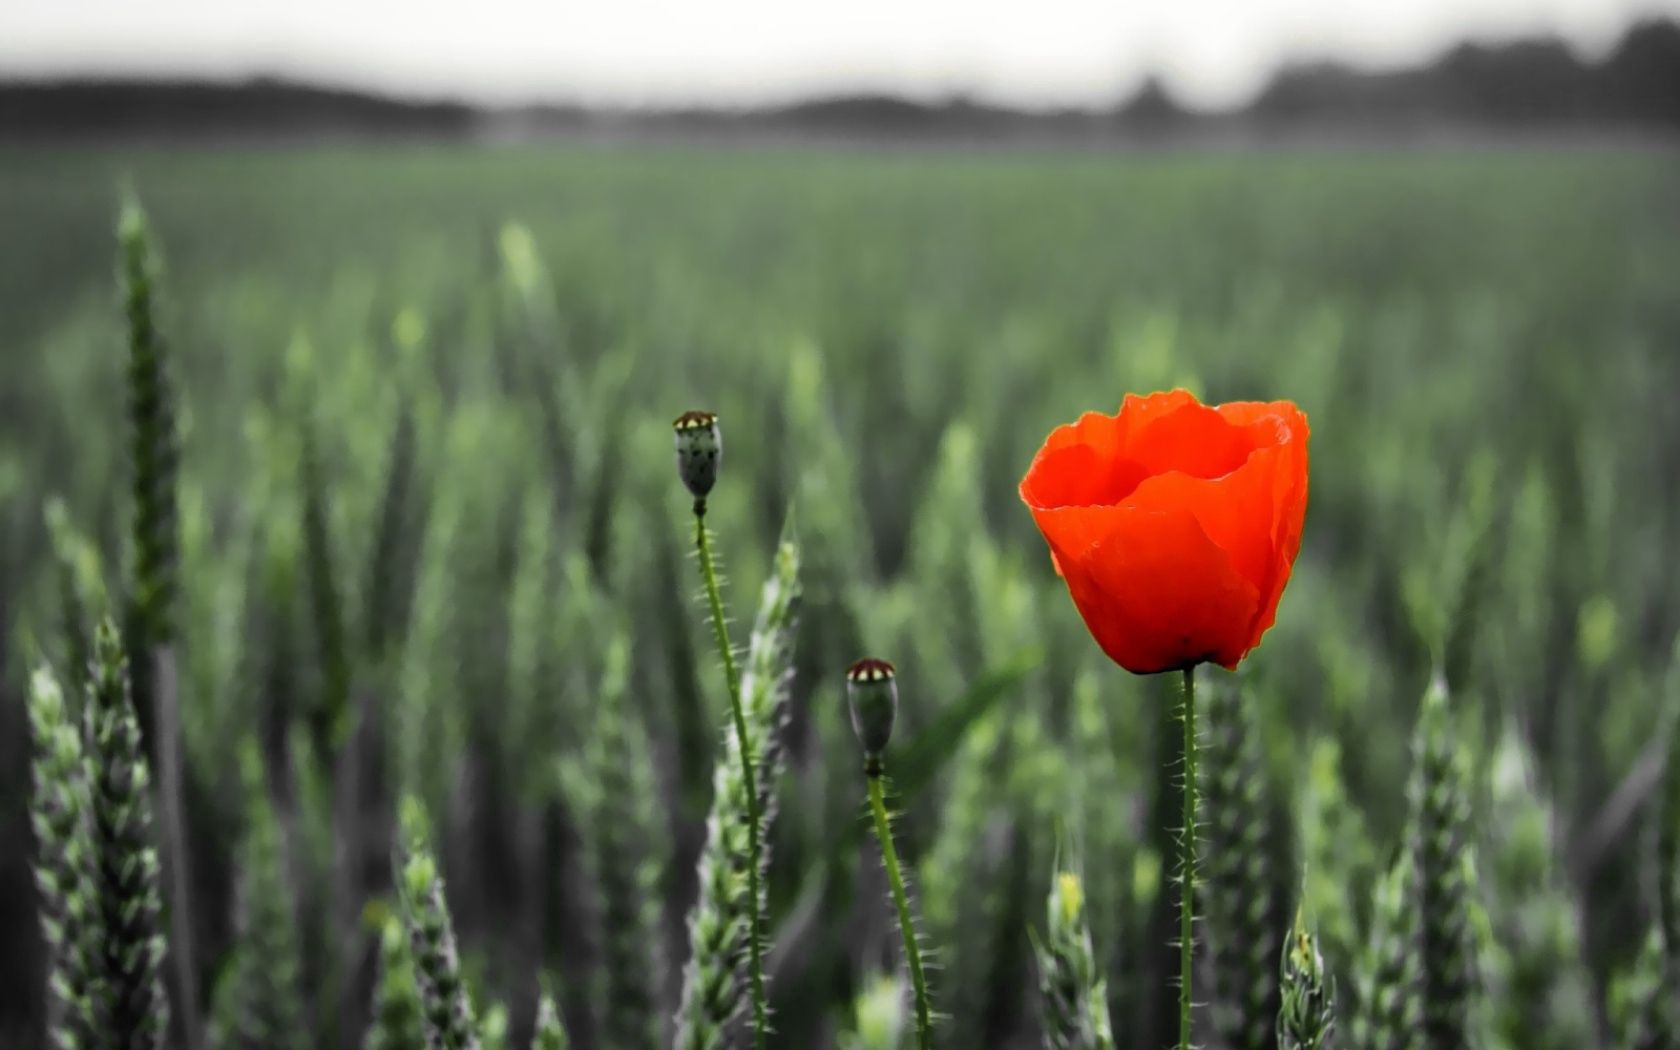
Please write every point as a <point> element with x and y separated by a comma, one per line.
<point>912,954</point>
<point>1187,863</point>
<point>749,787</point>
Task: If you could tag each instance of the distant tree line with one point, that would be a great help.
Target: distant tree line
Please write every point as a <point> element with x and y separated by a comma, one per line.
<point>1526,85</point>
<point>264,107</point>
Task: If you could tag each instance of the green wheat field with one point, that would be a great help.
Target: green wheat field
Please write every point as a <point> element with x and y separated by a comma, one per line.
<point>408,528</point>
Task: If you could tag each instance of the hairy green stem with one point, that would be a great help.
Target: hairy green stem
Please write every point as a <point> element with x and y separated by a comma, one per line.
<point>889,856</point>
<point>1187,863</point>
<point>731,672</point>
<point>749,786</point>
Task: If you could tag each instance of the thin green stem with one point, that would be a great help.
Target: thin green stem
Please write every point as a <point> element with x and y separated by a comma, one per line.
<point>703,543</point>
<point>889,855</point>
<point>1187,863</point>
<point>749,784</point>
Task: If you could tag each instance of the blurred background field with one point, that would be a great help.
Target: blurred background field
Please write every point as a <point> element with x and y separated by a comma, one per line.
<point>425,397</point>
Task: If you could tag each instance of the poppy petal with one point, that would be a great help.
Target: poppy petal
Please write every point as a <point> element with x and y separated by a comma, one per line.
<point>1079,476</point>
<point>1235,510</point>
<point>1175,525</point>
<point>1154,590</point>
<point>1193,440</point>
<point>1102,433</point>
<point>1138,411</point>
<point>1290,491</point>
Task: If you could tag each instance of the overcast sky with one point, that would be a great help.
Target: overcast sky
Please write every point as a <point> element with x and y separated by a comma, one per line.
<point>1032,52</point>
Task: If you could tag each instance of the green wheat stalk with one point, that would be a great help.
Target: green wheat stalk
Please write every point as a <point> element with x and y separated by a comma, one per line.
<point>259,1002</point>
<point>1652,1020</point>
<point>967,878</point>
<point>535,660</point>
<point>314,847</point>
<point>1475,534</point>
<point>493,1028</point>
<point>329,720</point>
<point>691,728</point>
<point>397,1017</point>
<point>941,547</point>
<point>385,598</point>
<point>1642,1004</point>
<point>1339,864</point>
<point>155,579</point>
<point>1540,989</point>
<point>716,992</point>
<point>154,449</point>
<point>878,1015</point>
<point>446,1008</point>
<point>550,1034</point>
<point>63,845</point>
<point>1387,1017</point>
<point>80,589</point>
<point>1307,1003</point>
<point>132,1009</point>
<point>153,441</point>
<point>1073,996</point>
<point>427,670</point>
<point>1108,845</point>
<point>1238,892</point>
<point>1438,825</point>
<point>614,790</point>
<point>1667,838</point>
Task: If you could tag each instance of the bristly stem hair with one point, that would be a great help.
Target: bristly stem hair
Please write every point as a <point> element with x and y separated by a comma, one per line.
<point>749,785</point>
<point>912,954</point>
<point>1187,864</point>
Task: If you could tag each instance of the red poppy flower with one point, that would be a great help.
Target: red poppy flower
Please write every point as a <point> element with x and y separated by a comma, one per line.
<point>1174,524</point>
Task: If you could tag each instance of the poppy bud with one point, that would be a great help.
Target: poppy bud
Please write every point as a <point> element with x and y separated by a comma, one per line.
<point>699,450</point>
<point>873,693</point>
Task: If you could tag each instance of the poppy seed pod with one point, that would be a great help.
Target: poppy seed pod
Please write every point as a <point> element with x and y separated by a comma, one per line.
<point>699,450</point>
<point>873,693</point>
